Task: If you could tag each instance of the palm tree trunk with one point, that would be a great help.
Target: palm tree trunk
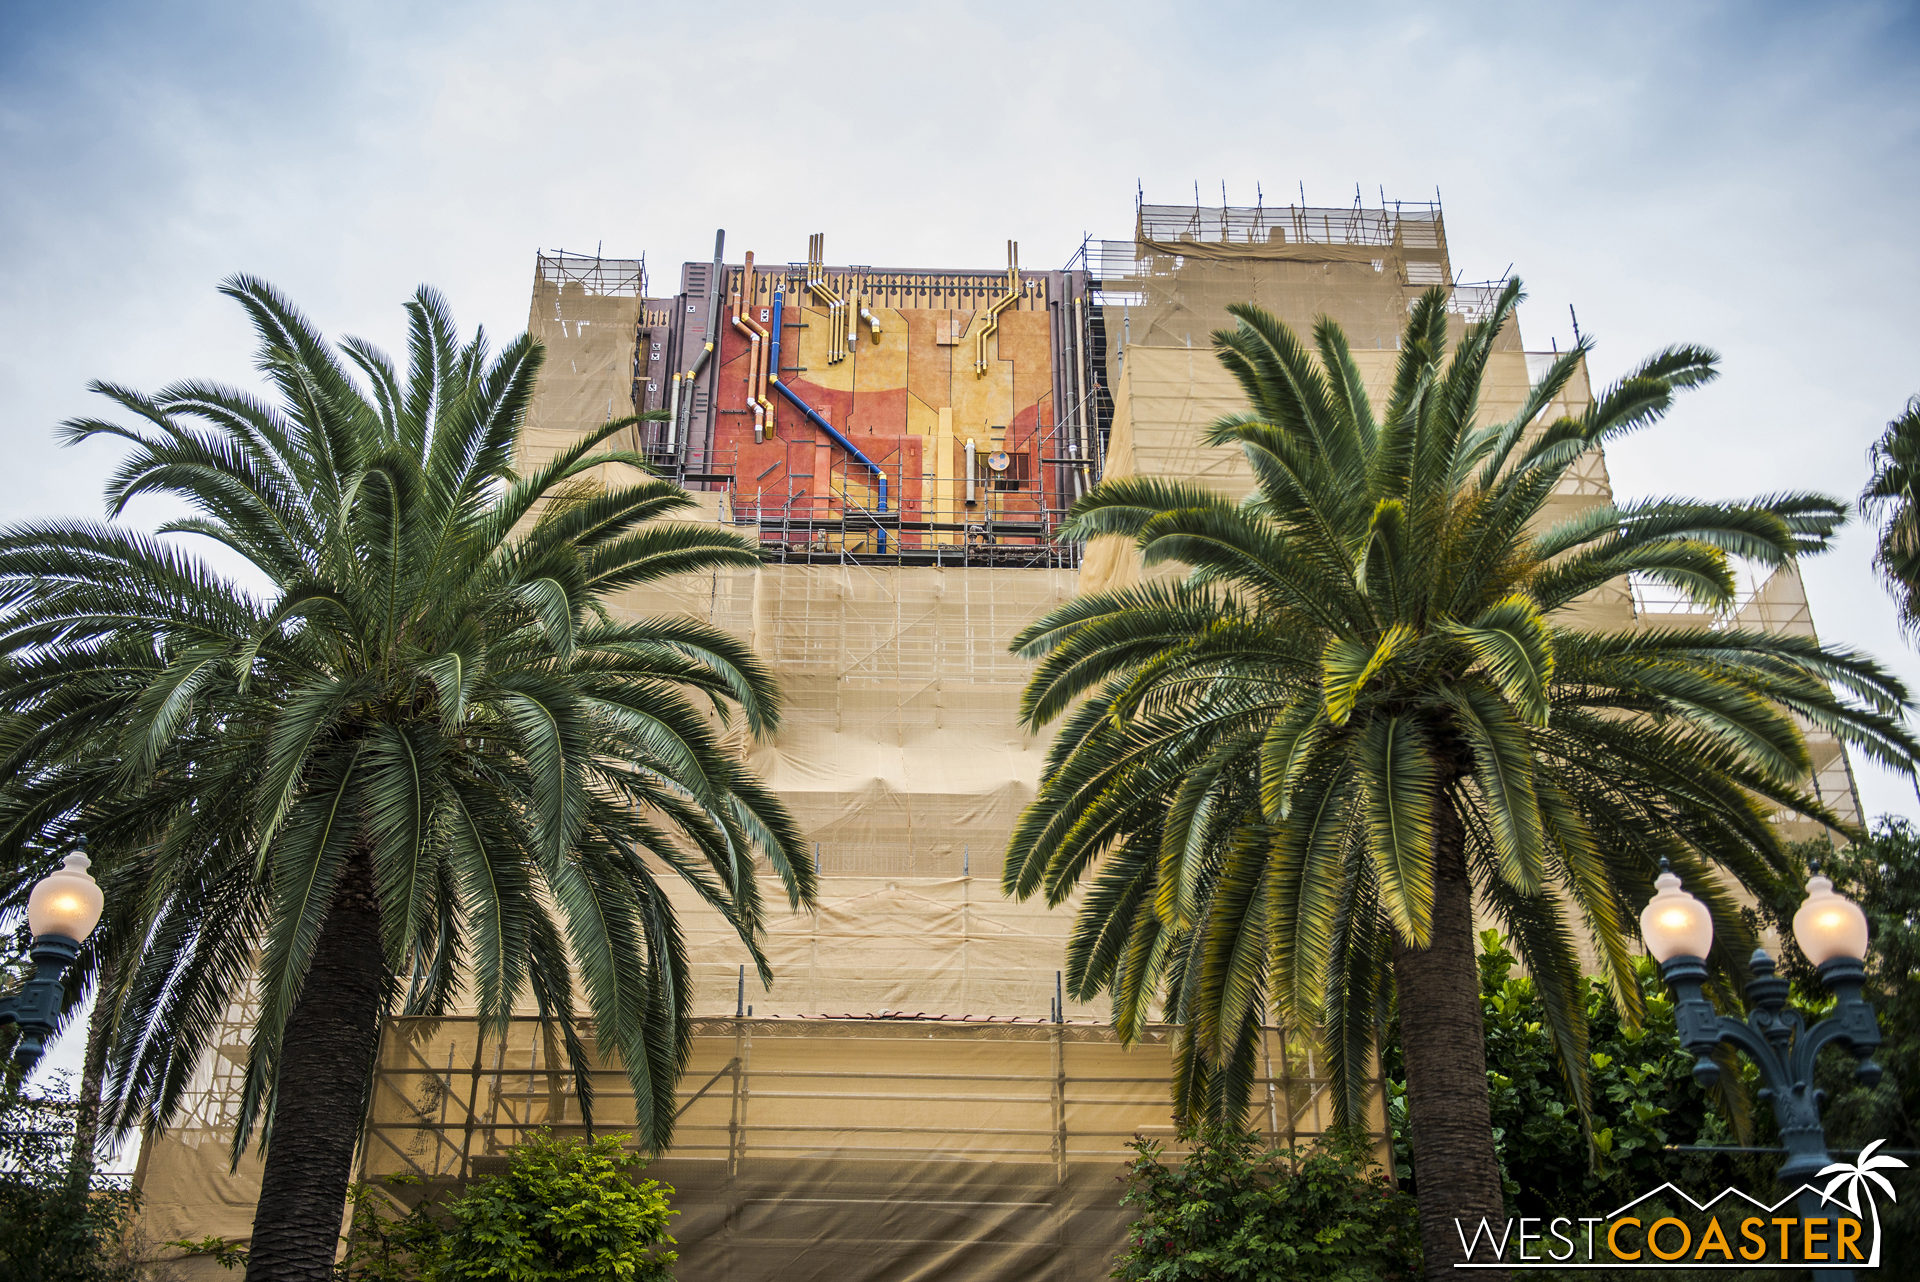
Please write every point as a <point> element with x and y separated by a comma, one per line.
<point>1455,1173</point>
<point>93,1070</point>
<point>326,1056</point>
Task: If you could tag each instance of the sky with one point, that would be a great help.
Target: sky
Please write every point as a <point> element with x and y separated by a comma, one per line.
<point>1741,175</point>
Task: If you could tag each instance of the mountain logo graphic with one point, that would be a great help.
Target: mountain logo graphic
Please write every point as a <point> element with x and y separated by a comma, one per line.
<point>1745,1240</point>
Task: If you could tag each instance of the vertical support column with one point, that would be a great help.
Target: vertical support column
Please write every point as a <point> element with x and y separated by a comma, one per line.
<point>1059,1104</point>
<point>440,1132</point>
<point>943,475</point>
<point>473,1103</point>
<point>1266,1054</point>
<point>735,1119</point>
<point>743,1091</point>
<point>1286,1087</point>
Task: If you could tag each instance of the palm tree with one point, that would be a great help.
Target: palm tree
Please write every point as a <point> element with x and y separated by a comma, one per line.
<point>1855,1176</point>
<point>1291,775</point>
<point>1892,496</point>
<point>429,758</point>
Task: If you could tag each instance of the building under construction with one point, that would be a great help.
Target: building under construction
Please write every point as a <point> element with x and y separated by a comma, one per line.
<point>914,1097</point>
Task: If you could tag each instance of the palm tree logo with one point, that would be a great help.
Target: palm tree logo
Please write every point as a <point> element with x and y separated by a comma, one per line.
<point>1855,1176</point>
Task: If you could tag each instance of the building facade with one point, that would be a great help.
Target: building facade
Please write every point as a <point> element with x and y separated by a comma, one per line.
<point>914,1096</point>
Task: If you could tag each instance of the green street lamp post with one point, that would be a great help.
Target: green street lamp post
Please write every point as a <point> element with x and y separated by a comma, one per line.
<point>62,910</point>
<point>1832,932</point>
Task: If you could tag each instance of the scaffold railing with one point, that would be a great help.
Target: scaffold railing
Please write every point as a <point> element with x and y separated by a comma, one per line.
<point>626,277</point>
<point>1397,222</point>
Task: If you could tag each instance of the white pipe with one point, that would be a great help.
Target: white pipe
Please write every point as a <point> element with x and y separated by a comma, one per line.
<point>756,350</point>
<point>970,472</point>
<point>753,367</point>
<point>1080,375</point>
<point>673,414</point>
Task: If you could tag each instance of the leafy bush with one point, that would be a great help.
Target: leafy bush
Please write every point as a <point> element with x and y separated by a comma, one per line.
<point>56,1224</point>
<point>385,1247</point>
<point>564,1210</point>
<point>1644,1100</point>
<point>1644,1097</point>
<point>1229,1212</point>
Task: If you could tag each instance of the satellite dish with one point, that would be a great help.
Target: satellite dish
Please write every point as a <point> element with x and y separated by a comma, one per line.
<point>997,460</point>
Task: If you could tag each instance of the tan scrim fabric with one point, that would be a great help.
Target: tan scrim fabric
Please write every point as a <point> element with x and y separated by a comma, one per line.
<point>919,1140</point>
<point>845,1148</point>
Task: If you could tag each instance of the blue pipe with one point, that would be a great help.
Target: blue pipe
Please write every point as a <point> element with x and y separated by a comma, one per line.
<point>773,360</point>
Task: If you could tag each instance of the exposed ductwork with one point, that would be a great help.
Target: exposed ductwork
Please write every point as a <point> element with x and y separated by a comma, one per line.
<point>756,349</point>
<point>713,335</point>
<point>813,416</point>
<point>1005,301</point>
<point>840,325</point>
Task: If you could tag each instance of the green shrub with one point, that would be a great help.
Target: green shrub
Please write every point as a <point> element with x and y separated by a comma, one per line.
<point>1644,1100</point>
<point>56,1224</point>
<point>1231,1212</point>
<point>386,1247</point>
<point>565,1211</point>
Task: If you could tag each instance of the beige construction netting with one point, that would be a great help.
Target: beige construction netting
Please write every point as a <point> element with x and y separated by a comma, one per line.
<point>1363,268</point>
<point>586,313</point>
<point>910,1135</point>
<point>900,749</point>
<point>844,1149</point>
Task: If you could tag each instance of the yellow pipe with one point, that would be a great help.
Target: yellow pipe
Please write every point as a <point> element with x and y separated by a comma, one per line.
<point>1011,297</point>
<point>819,289</point>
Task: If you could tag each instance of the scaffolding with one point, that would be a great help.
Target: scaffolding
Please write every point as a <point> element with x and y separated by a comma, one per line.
<point>1392,223</point>
<point>901,733</point>
<point>845,1147</point>
<point>1776,602</point>
<point>828,1134</point>
<point>592,274</point>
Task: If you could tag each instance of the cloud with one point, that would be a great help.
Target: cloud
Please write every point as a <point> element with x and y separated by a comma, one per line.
<point>1734,174</point>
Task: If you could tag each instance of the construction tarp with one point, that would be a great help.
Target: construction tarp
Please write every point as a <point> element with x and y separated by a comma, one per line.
<point>833,1148</point>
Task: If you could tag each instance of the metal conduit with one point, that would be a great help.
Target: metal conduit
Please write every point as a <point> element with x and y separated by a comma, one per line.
<point>713,333</point>
<point>742,300</point>
<point>779,305</point>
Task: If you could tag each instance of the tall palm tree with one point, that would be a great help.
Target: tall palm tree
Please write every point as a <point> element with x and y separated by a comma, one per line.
<point>1291,774</point>
<point>429,752</point>
<point>1892,497</point>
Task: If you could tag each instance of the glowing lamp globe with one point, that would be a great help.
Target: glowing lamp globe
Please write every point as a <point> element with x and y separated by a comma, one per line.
<point>65,902</point>
<point>1674,923</point>
<point>1829,925</point>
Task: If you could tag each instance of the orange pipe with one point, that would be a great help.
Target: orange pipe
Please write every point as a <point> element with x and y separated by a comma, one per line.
<point>756,350</point>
